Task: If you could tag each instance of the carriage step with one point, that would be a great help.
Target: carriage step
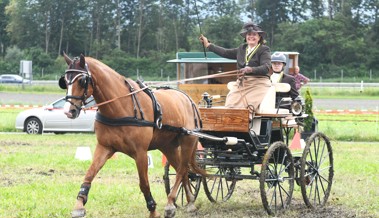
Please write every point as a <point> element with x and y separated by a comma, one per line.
<point>227,164</point>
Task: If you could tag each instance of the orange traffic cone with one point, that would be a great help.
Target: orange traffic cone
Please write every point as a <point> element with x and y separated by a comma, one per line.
<point>295,144</point>
<point>164,160</point>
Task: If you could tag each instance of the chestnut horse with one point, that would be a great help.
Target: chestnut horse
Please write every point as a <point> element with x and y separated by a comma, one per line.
<point>133,120</point>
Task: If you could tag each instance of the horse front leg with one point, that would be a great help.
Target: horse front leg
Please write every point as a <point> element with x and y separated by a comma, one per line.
<point>142,167</point>
<point>101,155</point>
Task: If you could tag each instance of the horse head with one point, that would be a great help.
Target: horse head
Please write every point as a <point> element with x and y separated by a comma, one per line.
<point>78,82</point>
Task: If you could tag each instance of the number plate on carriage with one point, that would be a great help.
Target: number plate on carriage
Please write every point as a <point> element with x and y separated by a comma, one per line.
<point>225,119</point>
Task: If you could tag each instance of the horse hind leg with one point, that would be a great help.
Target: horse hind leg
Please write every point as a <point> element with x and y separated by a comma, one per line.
<point>101,155</point>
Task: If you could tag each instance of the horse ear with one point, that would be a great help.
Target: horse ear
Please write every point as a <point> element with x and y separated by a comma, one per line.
<point>67,59</point>
<point>82,61</point>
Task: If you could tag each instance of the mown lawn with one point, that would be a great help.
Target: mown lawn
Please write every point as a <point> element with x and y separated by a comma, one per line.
<point>39,177</point>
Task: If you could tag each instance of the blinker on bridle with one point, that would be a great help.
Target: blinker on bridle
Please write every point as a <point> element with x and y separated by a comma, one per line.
<point>70,76</point>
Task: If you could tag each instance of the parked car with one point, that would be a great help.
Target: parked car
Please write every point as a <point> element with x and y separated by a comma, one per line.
<point>12,78</point>
<point>51,118</point>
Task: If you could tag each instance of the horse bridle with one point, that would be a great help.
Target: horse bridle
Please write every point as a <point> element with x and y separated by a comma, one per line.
<point>83,76</point>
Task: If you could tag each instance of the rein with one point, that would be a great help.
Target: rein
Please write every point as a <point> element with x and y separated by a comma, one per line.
<point>218,75</point>
<point>114,99</point>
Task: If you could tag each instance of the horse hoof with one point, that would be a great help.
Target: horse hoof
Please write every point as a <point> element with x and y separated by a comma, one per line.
<point>169,211</point>
<point>154,215</point>
<point>78,213</point>
<point>191,208</point>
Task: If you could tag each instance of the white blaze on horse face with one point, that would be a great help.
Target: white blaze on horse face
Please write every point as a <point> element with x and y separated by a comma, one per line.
<point>67,105</point>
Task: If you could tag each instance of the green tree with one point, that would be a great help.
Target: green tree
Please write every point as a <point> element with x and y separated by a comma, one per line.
<point>272,14</point>
<point>4,39</point>
<point>316,8</point>
<point>22,26</point>
<point>223,31</point>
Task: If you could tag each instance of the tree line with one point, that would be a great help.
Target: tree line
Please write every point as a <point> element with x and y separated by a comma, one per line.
<point>332,36</point>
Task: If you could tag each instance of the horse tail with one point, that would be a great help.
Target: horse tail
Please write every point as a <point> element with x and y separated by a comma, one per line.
<point>194,166</point>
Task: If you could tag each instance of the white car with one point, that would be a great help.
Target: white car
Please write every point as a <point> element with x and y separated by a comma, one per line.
<point>51,118</point>
<point>12,78</point>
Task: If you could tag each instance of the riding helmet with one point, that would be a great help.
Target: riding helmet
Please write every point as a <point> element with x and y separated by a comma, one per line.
<point>279,57</point>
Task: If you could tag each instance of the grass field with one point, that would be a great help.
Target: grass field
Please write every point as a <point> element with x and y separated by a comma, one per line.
<point>39,177</point>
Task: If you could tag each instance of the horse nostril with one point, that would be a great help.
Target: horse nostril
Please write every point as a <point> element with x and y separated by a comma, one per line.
<point>74,113</point>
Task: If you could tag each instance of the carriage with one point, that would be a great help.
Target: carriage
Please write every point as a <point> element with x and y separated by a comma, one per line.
<point>235,144</point>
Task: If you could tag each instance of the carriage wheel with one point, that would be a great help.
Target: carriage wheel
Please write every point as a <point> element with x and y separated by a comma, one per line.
<point>316,172</point>
<point>169,180</point>
<point>277,178</point>
<point>219,186</point>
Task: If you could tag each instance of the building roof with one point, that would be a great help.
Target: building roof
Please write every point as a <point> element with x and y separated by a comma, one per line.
<point>198,57</point>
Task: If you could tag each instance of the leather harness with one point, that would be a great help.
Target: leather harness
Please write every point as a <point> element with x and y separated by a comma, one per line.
<point>135,121</point>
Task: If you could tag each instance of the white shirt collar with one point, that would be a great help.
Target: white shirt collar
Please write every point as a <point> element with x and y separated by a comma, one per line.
<point>249,50</point>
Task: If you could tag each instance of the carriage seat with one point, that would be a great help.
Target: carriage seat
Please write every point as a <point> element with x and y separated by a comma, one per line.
<point>267,105</point>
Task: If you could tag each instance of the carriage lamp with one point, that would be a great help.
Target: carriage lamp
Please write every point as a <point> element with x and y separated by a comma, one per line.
<point>296,108</point>
<point>207,99</point>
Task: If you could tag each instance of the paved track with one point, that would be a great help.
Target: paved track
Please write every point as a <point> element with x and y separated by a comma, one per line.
<point>319,104</point>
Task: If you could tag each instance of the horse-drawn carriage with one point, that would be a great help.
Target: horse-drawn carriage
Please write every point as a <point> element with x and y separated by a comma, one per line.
<point>234,143</point>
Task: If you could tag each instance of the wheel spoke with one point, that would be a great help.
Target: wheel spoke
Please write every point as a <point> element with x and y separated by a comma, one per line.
<point>277,178</point>
<point>316,171</point>
<point>219,187</point>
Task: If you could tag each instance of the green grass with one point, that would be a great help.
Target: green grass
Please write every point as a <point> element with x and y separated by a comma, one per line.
<point>50,88</point>
<point>8,119</point>
<point>39,177</point>
<point>348,127</point>
<point>342,93</point>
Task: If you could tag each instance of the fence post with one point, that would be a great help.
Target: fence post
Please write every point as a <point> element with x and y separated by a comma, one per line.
<point>315,72</point>
<point>361,86</point>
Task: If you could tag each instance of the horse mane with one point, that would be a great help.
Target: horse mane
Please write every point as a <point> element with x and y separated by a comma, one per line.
<point>105,69</point>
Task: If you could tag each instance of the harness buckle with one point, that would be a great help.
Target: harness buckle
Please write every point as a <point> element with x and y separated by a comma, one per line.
<point>158,123</point>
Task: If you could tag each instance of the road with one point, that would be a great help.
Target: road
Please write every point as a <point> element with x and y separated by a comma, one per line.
<point>319,104</point>
<point>30,99</point>
<point>345,104</point>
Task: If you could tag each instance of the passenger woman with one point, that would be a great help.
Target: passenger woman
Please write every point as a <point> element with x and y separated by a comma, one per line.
<point>278,62</point>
